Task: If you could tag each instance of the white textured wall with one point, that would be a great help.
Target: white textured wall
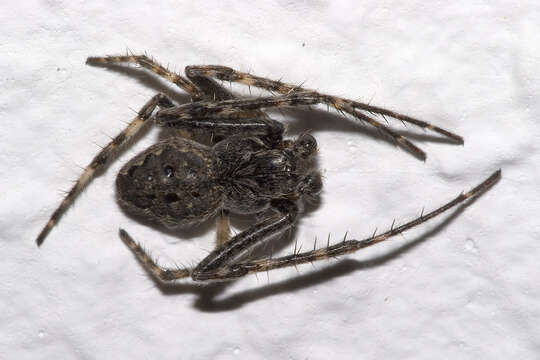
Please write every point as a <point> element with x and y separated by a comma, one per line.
<point>464,286</point>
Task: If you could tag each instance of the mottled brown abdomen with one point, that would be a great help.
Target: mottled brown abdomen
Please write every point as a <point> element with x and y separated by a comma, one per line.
<point>172,182</point>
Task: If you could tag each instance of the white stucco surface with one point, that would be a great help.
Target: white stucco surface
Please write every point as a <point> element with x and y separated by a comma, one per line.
<point>463,286</point>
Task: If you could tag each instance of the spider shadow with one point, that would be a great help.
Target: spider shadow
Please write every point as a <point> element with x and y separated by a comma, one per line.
<point>208,295</point>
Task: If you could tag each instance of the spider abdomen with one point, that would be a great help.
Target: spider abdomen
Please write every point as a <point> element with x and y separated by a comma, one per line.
<point>172,182</point>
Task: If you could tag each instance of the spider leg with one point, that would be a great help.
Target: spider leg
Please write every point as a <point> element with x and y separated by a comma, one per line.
<point>234,270</point>
<point>223,228</point>
<point>229,74</point>
<point>265,128</point>
<point>101,159</point>
<point>223,119</point>
<point>152,65</point>
<point>223,256</point>
<point>149,264</point>
<point>212,91</point>
<point>231,108</point>
<point>340,104</point>
<point>212,266</point>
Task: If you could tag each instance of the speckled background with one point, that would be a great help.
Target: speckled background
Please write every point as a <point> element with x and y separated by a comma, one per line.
<point>464,286</point>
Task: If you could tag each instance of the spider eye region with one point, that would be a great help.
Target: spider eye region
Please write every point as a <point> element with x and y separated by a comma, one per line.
<point>305,146</point>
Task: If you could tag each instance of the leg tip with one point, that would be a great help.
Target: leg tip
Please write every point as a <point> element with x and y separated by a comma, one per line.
<point>96,61</point>
<point>125,236</point>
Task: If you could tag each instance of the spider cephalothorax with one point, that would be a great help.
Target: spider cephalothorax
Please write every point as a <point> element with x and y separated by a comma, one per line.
<point>250,170</point>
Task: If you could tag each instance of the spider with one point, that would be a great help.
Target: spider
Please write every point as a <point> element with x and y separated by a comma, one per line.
<point>249,169</point>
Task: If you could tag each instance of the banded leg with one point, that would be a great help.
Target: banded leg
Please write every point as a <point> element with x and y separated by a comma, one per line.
<point>211,267</point>
<point>231,108</point>
<point>149,264</point>
<point>235,270</point>
<point>228,74</point>
<point>271,131</point>
<point>153,66</point>
<point>223,256</point>
<point>212,91</point>
<point>340,104</point>
<point>101,159</point>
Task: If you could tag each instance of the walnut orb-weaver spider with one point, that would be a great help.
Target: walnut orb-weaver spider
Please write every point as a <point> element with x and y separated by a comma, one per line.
<point>250,170</point>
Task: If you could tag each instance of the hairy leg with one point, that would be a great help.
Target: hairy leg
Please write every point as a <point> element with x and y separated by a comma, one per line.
<point>152,65</point>
<point>223,256</point>
<point>149,264</point>
<point>228,109</point>
<point>235,270</point>
<point>343,105</point>
<point>101,159</point>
